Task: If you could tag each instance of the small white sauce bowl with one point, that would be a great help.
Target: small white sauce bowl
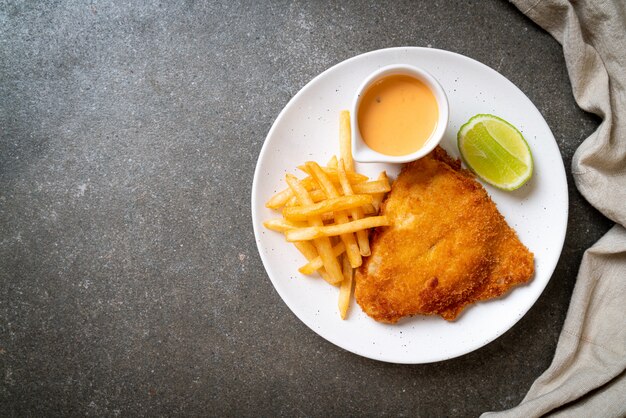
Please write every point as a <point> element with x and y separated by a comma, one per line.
<point>361,152</point>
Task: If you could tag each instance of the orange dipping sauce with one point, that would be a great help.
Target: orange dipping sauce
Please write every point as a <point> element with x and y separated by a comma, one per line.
<point>397,114</point>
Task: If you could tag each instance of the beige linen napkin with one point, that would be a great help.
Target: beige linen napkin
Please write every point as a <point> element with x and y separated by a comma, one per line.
<point>587,376</point>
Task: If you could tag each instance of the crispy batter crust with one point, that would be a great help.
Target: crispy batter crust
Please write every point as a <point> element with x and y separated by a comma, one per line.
<point>447,246</point>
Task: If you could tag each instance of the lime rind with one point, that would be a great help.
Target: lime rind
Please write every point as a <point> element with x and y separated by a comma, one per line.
<point>515,162</point>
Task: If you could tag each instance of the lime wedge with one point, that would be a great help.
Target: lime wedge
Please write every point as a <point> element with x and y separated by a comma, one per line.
<point>496,151</point>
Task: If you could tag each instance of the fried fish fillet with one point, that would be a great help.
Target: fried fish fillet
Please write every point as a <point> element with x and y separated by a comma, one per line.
<point>447,246</point>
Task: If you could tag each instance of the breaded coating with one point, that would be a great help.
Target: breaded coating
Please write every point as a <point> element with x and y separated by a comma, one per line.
<point>447,246</point>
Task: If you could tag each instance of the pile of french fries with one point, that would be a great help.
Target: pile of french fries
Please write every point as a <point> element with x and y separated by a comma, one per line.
<point>328,213</point>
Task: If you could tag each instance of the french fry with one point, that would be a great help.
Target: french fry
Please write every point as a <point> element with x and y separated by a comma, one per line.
<point>281,225</point>
<point>322,244</point>
<point>345,140</point>
<point>312,232</point>
<point>346,288</point>
<point>327,215</point>
<point>356,212</point>
<point>332,163</point>
<point>307,249</point>
<point>292,201</point>
<point>369,209</point>
<point>378,197</point>
<point>334,177</point>
<point>302,213</point>
<point>316,263</point>
<point>352,249</point>
<point>318,195</point>
<point>281,198</point>
<point>370,187</point>
<point>310,253</point>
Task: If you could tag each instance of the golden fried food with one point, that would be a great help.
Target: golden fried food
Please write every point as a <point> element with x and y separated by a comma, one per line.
<point>326,215</point>
<point>447,246</point>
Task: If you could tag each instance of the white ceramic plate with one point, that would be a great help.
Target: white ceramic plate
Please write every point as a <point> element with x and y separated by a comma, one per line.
<point>307,128</point>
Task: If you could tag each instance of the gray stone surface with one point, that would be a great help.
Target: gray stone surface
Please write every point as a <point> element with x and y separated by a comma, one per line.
<point>130,280</point>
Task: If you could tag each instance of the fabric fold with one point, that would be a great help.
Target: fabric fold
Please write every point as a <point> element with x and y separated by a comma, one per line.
<point>587,376</point>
